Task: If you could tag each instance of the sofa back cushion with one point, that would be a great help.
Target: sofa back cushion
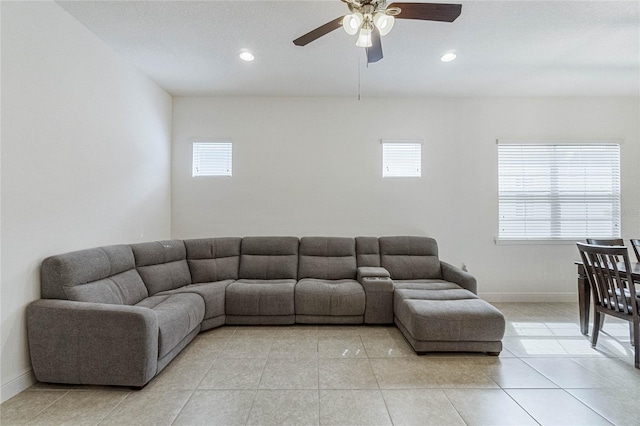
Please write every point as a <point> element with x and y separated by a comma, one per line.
<point>327,258</point>
<point>98,275</point>
<point>162,265</point>
<point>367,251</point>
<point>269,258</point>
<point>213,259</point>
<point>410,258</point>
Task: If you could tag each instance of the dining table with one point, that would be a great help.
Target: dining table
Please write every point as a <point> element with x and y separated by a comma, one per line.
<point>584,291</point>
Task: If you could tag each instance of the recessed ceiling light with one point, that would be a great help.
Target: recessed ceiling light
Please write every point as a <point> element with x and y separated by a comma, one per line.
<point>245,55</point>
<point>448,57</point>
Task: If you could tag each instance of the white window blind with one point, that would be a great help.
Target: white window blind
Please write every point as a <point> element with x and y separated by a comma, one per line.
<point>559,191</point>
<point>401,159</point>
<point>212,159</point>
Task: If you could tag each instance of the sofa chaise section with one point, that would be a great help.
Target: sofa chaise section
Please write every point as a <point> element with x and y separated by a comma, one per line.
<point>264,291</point>
<point>435,305</point>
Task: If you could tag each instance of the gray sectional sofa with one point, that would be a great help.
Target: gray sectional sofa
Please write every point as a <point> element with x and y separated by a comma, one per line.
<point>118,315</point>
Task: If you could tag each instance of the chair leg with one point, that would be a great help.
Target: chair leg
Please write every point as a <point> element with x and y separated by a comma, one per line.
<point>596,328</point>
<point>631,334</point>
<point>636,346</point>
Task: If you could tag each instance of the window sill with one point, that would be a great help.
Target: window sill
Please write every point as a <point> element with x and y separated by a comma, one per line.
<point>535,242</point>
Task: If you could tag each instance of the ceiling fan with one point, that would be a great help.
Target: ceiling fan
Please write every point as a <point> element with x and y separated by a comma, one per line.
<point>373,18</point>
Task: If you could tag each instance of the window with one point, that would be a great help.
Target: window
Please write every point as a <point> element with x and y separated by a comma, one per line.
<point>211,159</point>
<point>401,159</point>
<point>558,190</point>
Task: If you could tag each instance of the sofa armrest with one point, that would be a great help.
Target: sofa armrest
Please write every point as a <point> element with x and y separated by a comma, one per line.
<point>372,271</point>
<point>460,277</point>
<point>92,343</point>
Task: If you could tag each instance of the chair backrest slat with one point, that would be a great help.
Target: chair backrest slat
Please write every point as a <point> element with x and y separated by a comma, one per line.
<point>635,243</point>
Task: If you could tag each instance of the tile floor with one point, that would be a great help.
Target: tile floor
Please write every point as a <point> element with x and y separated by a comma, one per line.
<point>364,375</point>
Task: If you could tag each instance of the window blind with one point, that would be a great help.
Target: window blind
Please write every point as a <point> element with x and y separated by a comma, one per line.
<point>401,159</point>
<point>559,191</point>
<point>212,159</point>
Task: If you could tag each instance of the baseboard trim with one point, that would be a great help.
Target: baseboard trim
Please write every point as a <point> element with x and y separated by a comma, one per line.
<point>530,297</point>
<point>17,385</point>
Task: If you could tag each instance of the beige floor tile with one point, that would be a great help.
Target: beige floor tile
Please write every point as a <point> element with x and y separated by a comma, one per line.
<point>511,373</point>
<point>579,346</point>
<point>148,408</point>
<point>298,373</point>
<point>234,373</point>
<point>80,407</point>
<point>533,346</point>
<point>421,407</point>
<point>27,405</point>
<point>224,331</point>
<point>246,347</point>
<point>338,331</point>
<point>180,375</point>
<point>568,374</point>
<point>377,331</point>
<point>555,407</point>
<point>620,408</point>
<point>403,373</point>
<point>217,407</point>
<point>459,379</point>
<point>350,347</point>
<point>294,348</point>
<point>38,386</point>
<point>285,407</point>
<point>386,347</point>
<point>259,331</point>
<point>619,373</point>
<point>346,374</point>
<point>353,407</point>
<point>488,407</point>
<point>205,348</point>
<point>297,332</point>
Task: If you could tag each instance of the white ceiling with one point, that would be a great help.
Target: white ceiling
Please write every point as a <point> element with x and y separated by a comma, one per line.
<point>505,48</point>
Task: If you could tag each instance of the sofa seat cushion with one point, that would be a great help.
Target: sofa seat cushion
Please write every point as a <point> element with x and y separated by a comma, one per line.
<point>329,297</point>
<point>260,297</point>
<point>402,294</point>
<point>469,319</point>
<point>212,293</point>
<point>425,284</point>
<point>178,315</point>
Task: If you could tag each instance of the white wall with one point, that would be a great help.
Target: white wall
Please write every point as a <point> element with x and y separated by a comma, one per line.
<point>309,166</point>
<point>85,158</point>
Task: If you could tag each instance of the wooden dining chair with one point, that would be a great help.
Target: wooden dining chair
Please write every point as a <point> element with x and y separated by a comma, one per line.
<point>636,248</point>
<point>606,242</point>
<point>613,290</point>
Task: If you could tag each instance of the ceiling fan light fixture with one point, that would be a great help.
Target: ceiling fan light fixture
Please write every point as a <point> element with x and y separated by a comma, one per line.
<point>364,38</point>
<point>352,22</point>
<point>383,22</point>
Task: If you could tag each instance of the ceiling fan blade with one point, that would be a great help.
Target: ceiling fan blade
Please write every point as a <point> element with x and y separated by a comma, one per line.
<point>374,53</point>
<point>318,32</point>
<point>428,11</point>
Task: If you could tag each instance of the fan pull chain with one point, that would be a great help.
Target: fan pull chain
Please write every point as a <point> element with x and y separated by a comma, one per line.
<point>359,77</point>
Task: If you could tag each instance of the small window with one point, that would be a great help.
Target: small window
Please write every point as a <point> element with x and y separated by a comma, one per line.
<point>211,159</point>
<point>401,159</point>
<point>558,190</point>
